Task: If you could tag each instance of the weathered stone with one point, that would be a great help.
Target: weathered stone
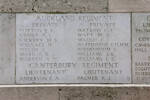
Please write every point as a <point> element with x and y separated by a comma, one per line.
<point>141,47</point>
<point>129,5</point>
<point>75,93</point>
<point>73,48</point>
<point>29,93</point>
<point>7,48</point>
<point>17,5</point>
<point>53,5</point>
<point>101,93</point>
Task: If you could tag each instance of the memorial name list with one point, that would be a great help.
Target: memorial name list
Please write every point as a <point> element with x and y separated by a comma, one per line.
<point>73,48</point>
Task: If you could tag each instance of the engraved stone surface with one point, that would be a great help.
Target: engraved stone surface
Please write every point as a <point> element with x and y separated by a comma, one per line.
<point>141,47</point>
<point>73,48</point>
<point>53,5</point>
<point>129,5</point>
<point>7,48</point>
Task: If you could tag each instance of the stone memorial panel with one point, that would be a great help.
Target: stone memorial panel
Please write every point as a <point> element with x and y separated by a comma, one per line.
<point>7,48</point>
<point>141,47</point>
<point>73,48</point>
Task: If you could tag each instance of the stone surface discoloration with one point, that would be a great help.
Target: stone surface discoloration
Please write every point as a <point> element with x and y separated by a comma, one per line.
<point>129,5</point>
<point>53,5</point>
<point>16,5</point>
<point>29,93</point>
<point>99,93</point>
<point>75,93</point>
<point>7,48</point>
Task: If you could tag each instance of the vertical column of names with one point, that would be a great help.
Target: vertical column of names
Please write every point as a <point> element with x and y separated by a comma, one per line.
<point>141,47</point>
<point>104,48</point>
<point>42,48</point>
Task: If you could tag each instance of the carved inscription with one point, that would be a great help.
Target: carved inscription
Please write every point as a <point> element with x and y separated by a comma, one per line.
<point>73,48</point>
<point>141,48</point>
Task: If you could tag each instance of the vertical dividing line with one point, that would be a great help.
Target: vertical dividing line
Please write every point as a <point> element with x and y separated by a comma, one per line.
<point>59,98</point>
<point>15,45</point>
<point>107,5</point>
<point>131,22</point>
